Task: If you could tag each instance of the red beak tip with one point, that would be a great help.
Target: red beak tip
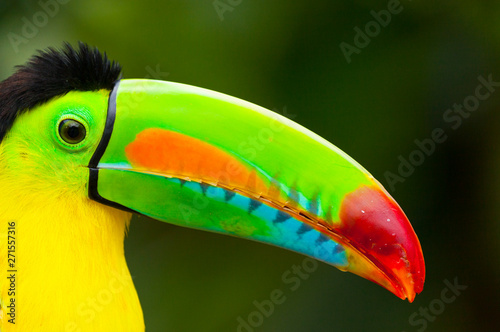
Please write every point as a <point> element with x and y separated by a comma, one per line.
<point>376,225</point>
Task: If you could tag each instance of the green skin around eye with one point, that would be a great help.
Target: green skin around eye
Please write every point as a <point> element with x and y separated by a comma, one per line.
<point>34,149</point>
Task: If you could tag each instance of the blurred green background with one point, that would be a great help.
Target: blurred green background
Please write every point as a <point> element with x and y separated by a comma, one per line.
<point>287,55</point>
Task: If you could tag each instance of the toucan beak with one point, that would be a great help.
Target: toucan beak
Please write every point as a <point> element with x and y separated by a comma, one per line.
<point>201,159</point>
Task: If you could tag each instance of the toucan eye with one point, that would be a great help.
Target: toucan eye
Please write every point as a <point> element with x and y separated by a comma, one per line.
<point>72,131</point>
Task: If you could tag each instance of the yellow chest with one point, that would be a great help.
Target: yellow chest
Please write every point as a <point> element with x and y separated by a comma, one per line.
<point>69,272</point>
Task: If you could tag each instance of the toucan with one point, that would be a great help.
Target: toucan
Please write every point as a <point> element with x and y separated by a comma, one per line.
<point>82,150</point>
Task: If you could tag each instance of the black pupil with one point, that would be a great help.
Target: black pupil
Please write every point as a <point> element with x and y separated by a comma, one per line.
<point>72,131</point>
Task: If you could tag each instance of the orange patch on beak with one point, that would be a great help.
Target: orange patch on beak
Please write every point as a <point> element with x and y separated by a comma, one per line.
<point>178,155</point>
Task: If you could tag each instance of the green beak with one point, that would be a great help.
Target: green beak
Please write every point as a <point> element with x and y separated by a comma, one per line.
<point>201,159</point>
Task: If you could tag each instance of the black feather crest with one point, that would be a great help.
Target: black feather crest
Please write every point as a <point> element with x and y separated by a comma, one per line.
<point>53,73</point>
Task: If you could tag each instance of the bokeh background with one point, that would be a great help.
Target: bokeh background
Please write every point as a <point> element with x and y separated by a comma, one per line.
<point>287,55</point>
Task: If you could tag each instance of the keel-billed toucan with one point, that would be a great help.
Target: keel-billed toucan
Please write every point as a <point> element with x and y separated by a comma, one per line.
<point>81,150</point>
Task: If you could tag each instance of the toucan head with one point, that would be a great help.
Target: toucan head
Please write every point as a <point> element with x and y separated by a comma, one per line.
<point>201,159</point>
